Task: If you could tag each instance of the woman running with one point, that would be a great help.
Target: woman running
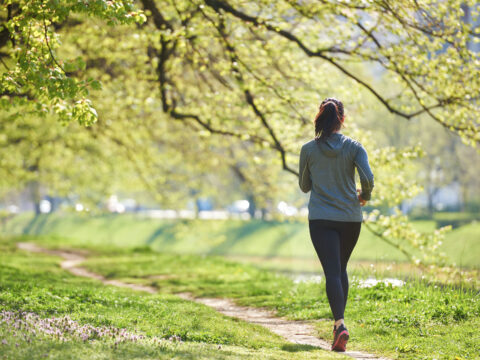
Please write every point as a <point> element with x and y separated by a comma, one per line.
<point>327,168</point>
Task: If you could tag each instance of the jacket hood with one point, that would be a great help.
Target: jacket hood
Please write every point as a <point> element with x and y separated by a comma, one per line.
<point>333,145</point>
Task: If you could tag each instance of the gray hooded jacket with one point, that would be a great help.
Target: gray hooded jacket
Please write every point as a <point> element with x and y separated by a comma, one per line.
<point>328,170</point>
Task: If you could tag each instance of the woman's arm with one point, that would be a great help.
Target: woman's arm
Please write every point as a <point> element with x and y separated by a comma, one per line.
<point>365,173</point>
<point>304,180</point>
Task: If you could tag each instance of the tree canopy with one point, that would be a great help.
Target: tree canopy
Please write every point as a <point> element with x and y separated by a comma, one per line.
<point>183,95</point>
<point>33,76</point>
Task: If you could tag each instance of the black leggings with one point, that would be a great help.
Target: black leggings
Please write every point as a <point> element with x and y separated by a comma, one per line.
<point>334,242</point>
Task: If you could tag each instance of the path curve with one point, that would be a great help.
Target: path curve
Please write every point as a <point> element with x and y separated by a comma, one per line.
<point>294,331</point>
<point>71,261</point>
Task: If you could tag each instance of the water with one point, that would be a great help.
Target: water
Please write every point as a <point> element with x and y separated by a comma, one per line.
<point>369,282</point>
<point>362,283</point>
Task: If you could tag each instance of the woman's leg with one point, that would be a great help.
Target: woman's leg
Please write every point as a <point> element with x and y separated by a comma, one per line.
<point>349,233</point>
<point>326,241</point>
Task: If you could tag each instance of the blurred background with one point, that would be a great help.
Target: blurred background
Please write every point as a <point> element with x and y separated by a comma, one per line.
<point>182,131</point>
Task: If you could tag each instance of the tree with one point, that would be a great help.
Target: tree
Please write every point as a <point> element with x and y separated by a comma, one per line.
<point>259,53</point>
<point>65,160</point>
<point>236,53</point>
<point>33,77</point>
<point>246,75</point>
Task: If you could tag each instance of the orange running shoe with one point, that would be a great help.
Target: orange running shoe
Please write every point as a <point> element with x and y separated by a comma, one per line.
<point>340,338</point>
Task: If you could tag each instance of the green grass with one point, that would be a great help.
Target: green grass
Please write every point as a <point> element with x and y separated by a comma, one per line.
<point>287,240</point>
<point>25,346</point>
<point>465,243</point>
<point>35,283</point>
<point>218,237</point>
<point>212,237</point>
<point>416,321</point>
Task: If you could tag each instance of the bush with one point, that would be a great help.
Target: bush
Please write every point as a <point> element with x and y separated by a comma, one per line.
<point>456,219</point>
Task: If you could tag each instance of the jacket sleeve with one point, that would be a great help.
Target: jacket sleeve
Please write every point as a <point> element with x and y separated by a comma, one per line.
<point>364,172</point>
<point>304,179</point>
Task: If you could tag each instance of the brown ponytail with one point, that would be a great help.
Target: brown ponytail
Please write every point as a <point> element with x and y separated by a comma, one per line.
<point>329,119</point>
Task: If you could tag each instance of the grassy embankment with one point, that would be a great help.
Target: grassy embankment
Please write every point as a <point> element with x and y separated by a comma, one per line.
<point>416,321</point>
<point>272,244</point>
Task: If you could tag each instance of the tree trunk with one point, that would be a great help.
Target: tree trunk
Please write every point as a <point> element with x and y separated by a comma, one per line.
<point>252,206</point>
<point>35,195</point>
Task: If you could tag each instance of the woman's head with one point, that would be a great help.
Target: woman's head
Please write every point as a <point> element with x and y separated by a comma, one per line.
<point>329,118</point>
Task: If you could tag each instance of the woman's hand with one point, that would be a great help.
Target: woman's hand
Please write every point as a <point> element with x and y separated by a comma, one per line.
<point>362,202</point>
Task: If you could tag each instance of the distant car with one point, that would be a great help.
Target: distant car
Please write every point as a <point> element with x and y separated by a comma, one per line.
<point>286,209</point>
<point>239,206</point>
<point>204,204</point>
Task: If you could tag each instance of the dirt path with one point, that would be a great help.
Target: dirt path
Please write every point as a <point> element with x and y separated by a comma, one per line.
<point>73,259</point>
<point>294,331</point>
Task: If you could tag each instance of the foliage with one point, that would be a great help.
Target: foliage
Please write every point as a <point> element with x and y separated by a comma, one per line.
<point>34,78</point>
<point>399,232</point>
<point>423,47</point>
<point>203,91</point>
<point>68,159</point>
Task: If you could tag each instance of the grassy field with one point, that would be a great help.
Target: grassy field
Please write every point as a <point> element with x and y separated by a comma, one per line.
<point>49,313</point>
<point>416,321</point>
<point>288,240</point>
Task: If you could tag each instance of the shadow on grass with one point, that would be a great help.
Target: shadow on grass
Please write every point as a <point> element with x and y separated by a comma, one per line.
<point>284,237</point>
<point>298,347</point>
<point>36,224</point>
<point>163,235</point>
<point>238,234</point>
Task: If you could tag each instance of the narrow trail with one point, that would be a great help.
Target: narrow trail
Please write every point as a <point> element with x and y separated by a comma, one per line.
<point>294,331</point>
<point>71,261</point>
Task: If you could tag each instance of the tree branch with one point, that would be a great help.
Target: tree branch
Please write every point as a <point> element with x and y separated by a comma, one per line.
<point>249,97</point>
<point>321,53</point>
